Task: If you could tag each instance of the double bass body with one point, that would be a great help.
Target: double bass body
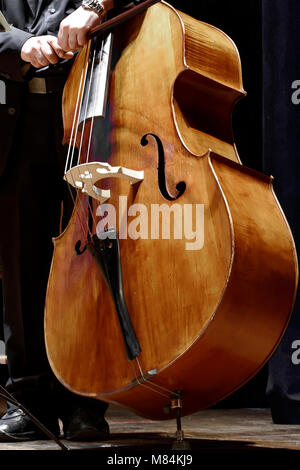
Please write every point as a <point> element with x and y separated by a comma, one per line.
<point>206,319</point>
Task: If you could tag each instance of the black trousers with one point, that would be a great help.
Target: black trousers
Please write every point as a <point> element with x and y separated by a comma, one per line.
<point>31,193</point>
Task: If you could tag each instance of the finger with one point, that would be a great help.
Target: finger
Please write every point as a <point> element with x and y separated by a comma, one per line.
<point>38,63</point>
<point>72,40</point>
<point>35,63</point>
<point>66,55</point>
<point>49,53</point>
<point>62,37</point>
<point>38,59</point>
<point>82,38</point>
<point>67,37</point>
<point>58,50</point>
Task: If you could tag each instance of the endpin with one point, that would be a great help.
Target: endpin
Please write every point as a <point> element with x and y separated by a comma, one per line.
<point>176,405</point>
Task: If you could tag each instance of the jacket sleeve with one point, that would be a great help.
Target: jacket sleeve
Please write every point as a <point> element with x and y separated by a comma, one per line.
<point>11,43</point>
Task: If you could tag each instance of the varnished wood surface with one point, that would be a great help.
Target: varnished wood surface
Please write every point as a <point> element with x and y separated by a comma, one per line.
<point>206,320</point>
<point>215,430</point>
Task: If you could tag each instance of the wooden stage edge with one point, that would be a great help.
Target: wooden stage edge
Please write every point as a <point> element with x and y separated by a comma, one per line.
<point>214,429</point>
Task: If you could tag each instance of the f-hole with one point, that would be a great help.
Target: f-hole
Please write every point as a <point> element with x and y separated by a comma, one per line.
<point>180,187</point>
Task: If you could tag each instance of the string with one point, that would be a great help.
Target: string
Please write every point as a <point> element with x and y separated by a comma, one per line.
<point>94,112</point>
<point>76,116</point>
<point>95,51</point>
<point>101,53</point>
<point>142,383</point>
<point>73,138</point>
<point>86,106</point>
<point>150,385</point>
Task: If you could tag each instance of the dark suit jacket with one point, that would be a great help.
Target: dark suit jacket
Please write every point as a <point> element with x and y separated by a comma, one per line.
<point>28,18</point>
<point>10,70</point>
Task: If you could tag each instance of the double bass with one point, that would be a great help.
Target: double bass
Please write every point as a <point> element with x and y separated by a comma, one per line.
<point>137,315</point>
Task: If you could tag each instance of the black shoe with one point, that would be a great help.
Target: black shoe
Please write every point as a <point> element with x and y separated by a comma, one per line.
<point>16,426</point>
<point>84,425</point>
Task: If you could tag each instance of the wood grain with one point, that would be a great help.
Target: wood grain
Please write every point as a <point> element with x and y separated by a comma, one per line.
<point>207,319</point>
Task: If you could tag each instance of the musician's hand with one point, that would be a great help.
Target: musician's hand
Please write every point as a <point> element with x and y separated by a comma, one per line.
<point>74,28</point>
<point>40,51</point>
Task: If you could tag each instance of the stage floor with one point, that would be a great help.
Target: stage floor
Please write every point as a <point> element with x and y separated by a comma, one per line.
<point>213,429</point>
